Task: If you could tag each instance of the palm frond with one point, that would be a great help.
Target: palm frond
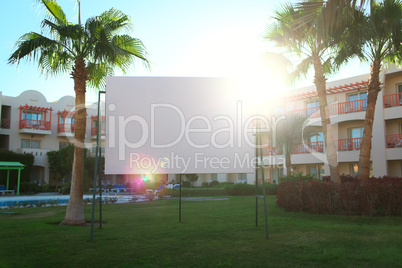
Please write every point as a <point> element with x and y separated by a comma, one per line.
<point>55,12</point>
<point>29,47</point>
<point>98,73</point>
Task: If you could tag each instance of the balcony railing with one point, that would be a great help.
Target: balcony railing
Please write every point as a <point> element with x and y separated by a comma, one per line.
<point>393,141</point>
<point>69,128</point>
<point>348,144</point>
<point>272,150</point>
<point>393,100</point>
<point>334,109</point>
<point>308,147</point>
<point>308,112</point>
<point>5,123</point>
<point>34,124</point>
<point>347,107</point>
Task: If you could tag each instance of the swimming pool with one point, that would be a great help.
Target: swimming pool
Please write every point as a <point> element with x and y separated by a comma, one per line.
<point>55,200</point>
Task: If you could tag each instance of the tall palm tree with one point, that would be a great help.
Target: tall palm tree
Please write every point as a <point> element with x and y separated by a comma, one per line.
<point>299,37</point>
<point>376,37</point>
<point>89,52</point>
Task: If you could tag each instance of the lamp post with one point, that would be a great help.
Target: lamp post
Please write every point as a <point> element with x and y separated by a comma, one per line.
<point>97,151</point>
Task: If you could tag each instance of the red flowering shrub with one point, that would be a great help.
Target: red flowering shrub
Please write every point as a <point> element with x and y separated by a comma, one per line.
<point>373,197</point>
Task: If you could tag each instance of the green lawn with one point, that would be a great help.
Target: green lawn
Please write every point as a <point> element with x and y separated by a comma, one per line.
<point>212,234</point>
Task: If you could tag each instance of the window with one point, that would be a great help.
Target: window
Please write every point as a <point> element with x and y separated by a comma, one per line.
<point>357,96</point>
<point>311,104</point>
<point>354,167</point>
<point>312,107</point>
<point>33,117</point>
<point>317,137</point>
<point>63,144</point>
<point>355,133</point>
<point>355,138</point>
<point>358,101</point>
<point>317,171</point>
<point>399,89</point>
<point>33,144</point>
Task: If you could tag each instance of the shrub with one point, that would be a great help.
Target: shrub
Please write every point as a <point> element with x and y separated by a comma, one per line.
<point>45,187</point>
<point>297,177</point>
<point>344,178</point>
<point>30,187</point>
<point>186,184</point>
<point>372,197</point>
<point>214,183</point>
<point>65,188</point>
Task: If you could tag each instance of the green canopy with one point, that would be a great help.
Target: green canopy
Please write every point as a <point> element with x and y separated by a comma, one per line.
<point>12,166</point>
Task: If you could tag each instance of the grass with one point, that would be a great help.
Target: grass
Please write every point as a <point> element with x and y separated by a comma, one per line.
<point>212,234</point>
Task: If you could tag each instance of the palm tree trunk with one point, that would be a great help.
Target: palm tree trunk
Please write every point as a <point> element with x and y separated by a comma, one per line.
<point>320,84</point>
<point>75,207</point>
<point>288,164</point>
<point>373,89</point>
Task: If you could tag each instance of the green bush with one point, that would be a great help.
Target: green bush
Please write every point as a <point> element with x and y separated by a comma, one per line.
<point>298,177</point>
<point>214,183</point>
<point>186,184</point>
<point>29,187</point>
<point>65,188</point>
<point>45,187</point>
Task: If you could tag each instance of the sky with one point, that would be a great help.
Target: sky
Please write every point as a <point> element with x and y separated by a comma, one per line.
<point>198,38</point>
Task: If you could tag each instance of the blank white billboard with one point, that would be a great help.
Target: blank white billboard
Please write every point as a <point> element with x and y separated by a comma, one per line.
<point>177,125</point>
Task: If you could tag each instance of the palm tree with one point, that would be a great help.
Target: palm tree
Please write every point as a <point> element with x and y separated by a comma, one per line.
<point>299,37</point>
<point>290,132</point>
<point>375,37</point>
<point>89,52</point>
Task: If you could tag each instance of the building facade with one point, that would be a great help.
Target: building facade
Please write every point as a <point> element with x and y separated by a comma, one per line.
<point>31,124</point>
<point>347,103</point>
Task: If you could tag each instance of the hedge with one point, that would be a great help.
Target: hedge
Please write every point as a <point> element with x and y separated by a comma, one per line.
<point>372,197</point>
<point>230,189</point>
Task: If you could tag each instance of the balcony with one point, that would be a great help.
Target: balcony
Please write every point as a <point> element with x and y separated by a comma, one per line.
<point>94,132</point>
<point>35,120</point>
<point>66,123</point>
<point>351,144</point>
<point>5,123</point>
<point>94,128</point>
<point>334,109</point>
<point>300,148</point>
<point>66,130</point>
<point>393,100</point>
<point>35,126</point>
<point>393,141</point>
<point>272,150</point>
<point>308,147</point>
